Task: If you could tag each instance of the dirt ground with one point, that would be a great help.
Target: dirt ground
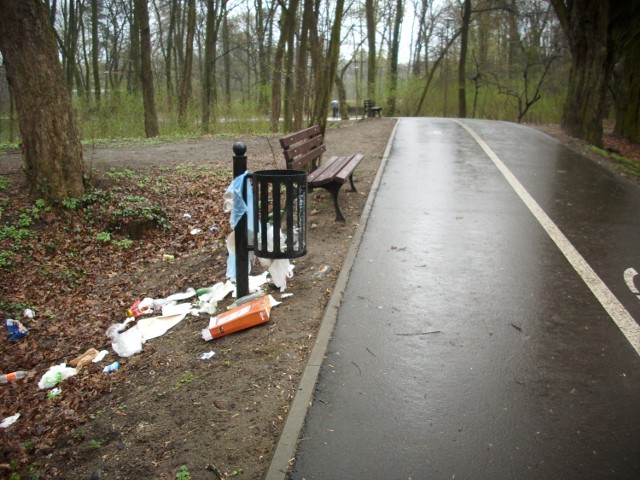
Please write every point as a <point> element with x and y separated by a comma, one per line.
<point>167,414</point>
<point>165,408</point>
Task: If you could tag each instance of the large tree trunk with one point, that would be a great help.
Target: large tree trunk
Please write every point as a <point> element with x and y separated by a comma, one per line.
<point>146,74</point>
<point>51,148</point>
<point>627,93</point>
<point>585,23</point>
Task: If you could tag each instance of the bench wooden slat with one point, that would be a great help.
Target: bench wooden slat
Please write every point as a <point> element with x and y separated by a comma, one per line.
<point>300,163</point>
<point>349,167</point>
<point>286,142</point>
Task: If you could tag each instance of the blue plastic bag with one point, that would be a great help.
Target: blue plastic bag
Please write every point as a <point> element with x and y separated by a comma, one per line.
<point>235,204</point>
<point>16,329</point>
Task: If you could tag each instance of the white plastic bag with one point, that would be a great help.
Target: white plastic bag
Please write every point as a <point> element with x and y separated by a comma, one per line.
<point>125,343</point>
<point>55,375</point>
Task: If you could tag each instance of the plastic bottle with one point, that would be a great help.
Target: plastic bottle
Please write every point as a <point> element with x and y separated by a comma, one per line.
<point>111,368</point>
<point>9,377</point>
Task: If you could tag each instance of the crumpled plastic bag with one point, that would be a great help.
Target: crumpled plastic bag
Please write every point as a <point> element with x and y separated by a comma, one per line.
<point>16,329</point>
<point>7,422</point>
<point>125,343</point>
<point>55,375</point>
<point>235,204</point>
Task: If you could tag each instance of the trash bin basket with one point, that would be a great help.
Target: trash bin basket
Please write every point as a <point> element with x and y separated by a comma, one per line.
<point>280,213</point>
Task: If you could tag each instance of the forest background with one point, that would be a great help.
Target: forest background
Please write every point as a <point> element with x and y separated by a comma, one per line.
<point>262,63</point>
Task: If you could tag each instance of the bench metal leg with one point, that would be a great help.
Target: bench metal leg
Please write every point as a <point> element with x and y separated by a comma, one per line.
<point>353,187</point>
<point>334,189</point>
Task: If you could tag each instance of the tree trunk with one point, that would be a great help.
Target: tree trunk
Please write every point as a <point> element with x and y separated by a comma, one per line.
<point>462,64</point>
<point>585,23</point>
<point>371,42</point>
<point>133,67</point>
<point>50,145</point>
<point>393,68</point>
<point>276,77</point>
<point>627,95</point>
<point>326,85</point>
<point>146,74</point>
<point>185,84</point>
<point>95,50</point>
<point>301,70</point>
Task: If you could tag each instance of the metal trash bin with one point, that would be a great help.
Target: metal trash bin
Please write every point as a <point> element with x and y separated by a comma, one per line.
<point>279,213</point>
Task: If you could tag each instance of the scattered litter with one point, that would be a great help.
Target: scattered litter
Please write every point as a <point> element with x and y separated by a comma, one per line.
<point>154,327</point>
<point>516,327</point>
<point>214,228</point>
<point>207,355</point>
<point>286,295</point>
<point>16,329</point>
<point>176,297</point>
<point>196,231</point>
<point>216,292</point>
<point>186,215</point>
<point>10,377</point>
<point>168,258</point>
<point>7,422</point>
<point>125,343</point>
<point>114,367</point>
<point>100,356</point>
<point>245,316</point>
<point>141,307</point>
<point>255,282</point>
<point>172,309</point>
<point>246,299</point>
<point>28,313</point>
<point>322,272</point>
<point>54,393</point>
<point>55,375</point>
<point>85,359</point>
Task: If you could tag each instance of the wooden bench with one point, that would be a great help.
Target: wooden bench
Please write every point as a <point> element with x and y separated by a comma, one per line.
<point>303,151</point>
<point>370,109</point>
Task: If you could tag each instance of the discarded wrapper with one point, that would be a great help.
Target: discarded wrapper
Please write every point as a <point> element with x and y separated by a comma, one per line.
<point>240,318</point>
<point>85,359</point>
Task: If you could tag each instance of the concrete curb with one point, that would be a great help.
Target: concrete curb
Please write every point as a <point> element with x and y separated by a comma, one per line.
<point>285,450</point>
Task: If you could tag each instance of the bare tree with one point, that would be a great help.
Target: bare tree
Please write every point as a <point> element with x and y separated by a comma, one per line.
<point>146,74</point>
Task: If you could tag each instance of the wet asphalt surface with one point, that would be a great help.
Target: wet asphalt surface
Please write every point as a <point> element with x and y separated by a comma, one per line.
<point>467,346</point>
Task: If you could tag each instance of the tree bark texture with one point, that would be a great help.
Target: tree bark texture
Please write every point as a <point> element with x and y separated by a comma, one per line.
<point>146,73</point>
<point>586,23</point>
<point>627,96</point>
<point>370,12</point>
<point>185,84</point>
<point>462,64</point>
<point>51,149</point>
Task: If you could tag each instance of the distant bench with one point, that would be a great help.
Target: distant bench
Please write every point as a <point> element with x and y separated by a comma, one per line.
<point>303,151</point>
<point>370,109</point>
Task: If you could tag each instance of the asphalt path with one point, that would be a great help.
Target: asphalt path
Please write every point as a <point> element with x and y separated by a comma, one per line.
<point>488,325</point>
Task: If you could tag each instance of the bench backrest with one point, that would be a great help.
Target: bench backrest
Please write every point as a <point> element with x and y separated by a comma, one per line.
<point>302,150</point>
<point>367,105</point>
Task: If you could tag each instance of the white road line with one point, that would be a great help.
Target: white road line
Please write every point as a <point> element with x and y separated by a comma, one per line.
<point>615,309</point>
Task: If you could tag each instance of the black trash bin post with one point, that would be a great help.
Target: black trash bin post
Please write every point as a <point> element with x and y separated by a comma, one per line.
<point>280,207</point>
<point>241,234</point>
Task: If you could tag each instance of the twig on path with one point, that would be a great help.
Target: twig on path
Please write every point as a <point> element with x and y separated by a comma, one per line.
<point>417,333</point>
<point>359,371</point>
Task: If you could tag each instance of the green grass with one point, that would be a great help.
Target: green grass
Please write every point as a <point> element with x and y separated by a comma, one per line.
<point>625,164</point>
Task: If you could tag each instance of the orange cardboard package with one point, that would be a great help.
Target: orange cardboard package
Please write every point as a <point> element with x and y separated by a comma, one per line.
<point>240,318</point>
